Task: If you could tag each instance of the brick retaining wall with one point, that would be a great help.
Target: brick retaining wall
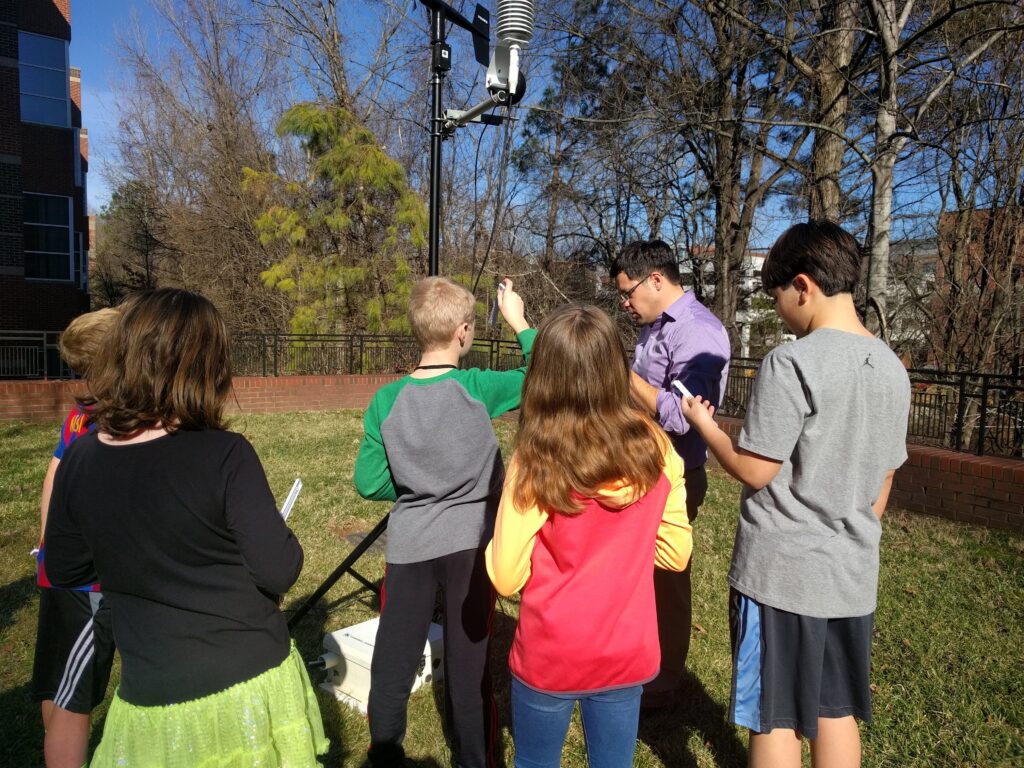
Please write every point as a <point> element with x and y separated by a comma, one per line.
<point>957,486</point>
<point>50,400</point>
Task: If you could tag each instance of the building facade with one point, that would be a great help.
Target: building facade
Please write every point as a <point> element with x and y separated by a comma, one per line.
<point>44,233</point>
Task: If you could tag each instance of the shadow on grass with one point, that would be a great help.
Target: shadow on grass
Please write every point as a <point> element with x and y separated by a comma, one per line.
<point>23,727</point>
<point>308,635</point>
<point>13,597</point>
<point>667,731</point>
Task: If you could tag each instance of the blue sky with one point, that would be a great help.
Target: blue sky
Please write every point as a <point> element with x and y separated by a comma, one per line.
<point>94,26</point>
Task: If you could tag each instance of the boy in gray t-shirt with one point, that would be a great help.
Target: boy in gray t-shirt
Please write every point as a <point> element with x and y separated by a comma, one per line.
<point>824,433</point>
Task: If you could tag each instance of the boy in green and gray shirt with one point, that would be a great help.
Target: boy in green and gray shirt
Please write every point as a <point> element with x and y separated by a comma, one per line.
<point>429,447</point>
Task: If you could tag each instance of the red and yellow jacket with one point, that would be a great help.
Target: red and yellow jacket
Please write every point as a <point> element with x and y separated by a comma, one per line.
<point>587,618</point>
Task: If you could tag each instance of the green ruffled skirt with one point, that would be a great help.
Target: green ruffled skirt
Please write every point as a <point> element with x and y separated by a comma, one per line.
<point>269,721</point>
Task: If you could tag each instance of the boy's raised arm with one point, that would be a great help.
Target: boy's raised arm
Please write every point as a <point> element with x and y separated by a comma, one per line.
<point>501,391</point>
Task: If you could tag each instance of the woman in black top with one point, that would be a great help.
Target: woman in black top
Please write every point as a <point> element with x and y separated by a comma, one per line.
<point>174,514</point>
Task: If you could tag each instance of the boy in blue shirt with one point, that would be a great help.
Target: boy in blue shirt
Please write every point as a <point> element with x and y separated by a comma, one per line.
<point>825,431</point>
<point>74,639</point>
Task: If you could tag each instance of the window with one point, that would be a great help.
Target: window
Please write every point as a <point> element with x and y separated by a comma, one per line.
<point>47,234</point>
<point>77,142</point>
<point>81,263</point>
<point>43,71</point>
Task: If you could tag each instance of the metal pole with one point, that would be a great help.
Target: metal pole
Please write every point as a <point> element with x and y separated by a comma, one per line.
<point>982,417</point>
<point>437,45</point>
<point>961,414</point>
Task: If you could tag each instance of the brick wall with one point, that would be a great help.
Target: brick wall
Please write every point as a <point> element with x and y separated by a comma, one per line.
<point>961,486</point>
<point>956,486</point>
<point>75,82</point>
<point>256,394</point>
<point>46,17</point>
<point>26,305</point>
<point>50,400</point>
<point>10,100</point>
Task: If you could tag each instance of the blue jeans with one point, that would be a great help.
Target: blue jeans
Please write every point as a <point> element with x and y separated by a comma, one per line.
<point>541,720</point>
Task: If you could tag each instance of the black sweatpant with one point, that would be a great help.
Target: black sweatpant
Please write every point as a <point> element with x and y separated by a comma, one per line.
<point>407,603</point>
<point>673,594</point>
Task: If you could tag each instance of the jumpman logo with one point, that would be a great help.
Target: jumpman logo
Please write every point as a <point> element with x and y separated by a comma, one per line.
<point>867,362</point>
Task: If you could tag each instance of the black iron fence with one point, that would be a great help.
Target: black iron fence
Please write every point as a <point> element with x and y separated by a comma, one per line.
<point>981,413</point>
<point>31,355</point>
<point>275,354</point>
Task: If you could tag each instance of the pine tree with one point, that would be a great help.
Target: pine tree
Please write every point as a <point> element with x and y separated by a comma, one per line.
<point>352,229</point>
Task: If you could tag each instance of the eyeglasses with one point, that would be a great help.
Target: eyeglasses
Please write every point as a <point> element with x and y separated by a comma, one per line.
<point>624,296</point>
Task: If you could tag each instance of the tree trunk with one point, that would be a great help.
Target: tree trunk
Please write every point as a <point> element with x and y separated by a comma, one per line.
<point>830,95</point>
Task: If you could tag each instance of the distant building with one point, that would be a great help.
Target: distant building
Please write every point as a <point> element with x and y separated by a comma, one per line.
<point>44,234</point>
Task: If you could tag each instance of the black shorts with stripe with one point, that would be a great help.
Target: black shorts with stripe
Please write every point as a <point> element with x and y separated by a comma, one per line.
<point>74,649</point>
<point>789,670</point>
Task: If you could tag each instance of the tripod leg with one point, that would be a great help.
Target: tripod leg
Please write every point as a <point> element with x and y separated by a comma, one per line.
<point>341,570</point>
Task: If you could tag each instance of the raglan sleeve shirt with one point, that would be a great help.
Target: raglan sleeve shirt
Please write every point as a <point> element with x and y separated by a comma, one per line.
<point>373,473</point>
<point>498,391</point>
<point>674,542</point>
<point>509,553</point>
<point>502,391</point>
<point>507,556</point>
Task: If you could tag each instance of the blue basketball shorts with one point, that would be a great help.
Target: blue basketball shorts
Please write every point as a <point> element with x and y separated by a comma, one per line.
<point>789,670</point>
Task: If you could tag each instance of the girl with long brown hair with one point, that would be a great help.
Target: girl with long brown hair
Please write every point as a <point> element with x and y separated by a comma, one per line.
<point>174,515</point>
<point>594,494</point>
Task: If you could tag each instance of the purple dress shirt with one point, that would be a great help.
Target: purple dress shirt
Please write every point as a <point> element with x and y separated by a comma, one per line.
<point>689,343</point>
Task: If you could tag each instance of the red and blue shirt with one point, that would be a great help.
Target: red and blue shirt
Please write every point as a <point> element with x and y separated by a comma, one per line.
<point>75,425</point>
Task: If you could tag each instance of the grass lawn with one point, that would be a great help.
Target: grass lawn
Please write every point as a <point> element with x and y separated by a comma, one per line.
<point>948,663</point>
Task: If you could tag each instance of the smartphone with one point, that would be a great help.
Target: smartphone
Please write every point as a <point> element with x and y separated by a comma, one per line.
<point>677,385</point>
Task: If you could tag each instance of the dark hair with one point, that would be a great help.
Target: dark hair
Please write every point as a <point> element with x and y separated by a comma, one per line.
<point>821,249</point>
<point>167,362</point>
<point>642,257</point>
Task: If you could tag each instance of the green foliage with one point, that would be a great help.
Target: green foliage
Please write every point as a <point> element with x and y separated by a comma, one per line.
<point>348,231</point>
<point>766,328</point>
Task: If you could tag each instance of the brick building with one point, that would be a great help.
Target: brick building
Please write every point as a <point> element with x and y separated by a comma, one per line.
<point>44,234</point>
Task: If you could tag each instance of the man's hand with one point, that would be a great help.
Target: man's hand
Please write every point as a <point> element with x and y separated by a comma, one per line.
<point>512,308</point>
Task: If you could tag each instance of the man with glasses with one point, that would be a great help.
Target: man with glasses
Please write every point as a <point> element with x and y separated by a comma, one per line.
<point>680,339</point>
